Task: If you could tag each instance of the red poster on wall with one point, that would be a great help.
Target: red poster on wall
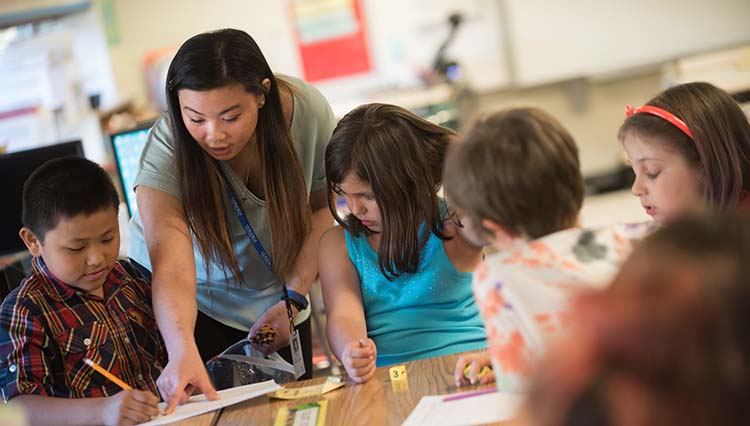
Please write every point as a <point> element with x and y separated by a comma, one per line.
<point>331,38</point>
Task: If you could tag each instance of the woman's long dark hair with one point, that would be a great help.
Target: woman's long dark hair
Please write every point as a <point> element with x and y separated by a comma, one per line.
<point>213,60</point>
<point>401,156</point>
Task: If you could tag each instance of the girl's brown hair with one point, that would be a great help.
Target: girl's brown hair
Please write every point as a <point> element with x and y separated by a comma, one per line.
<point>720,148</point>
<point>401,156</point>
<point>217,59</point>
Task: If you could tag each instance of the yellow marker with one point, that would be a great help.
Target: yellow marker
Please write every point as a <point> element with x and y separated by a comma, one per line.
<point>482,372</point>
<point>399,380</point>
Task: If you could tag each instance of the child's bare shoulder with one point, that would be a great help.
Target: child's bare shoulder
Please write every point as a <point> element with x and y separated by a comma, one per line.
<point>333,239</point>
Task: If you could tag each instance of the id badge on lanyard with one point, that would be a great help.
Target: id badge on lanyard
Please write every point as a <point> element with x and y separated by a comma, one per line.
<point>294,342</point>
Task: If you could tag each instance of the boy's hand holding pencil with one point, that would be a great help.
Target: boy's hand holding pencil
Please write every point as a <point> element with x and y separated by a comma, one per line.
<point>129,407</point>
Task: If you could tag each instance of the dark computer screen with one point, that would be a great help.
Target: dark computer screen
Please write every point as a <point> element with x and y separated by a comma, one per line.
<point>15,168</point>
<point>127,147</point>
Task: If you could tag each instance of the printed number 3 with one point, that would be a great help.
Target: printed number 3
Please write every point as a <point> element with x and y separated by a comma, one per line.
<point>397,373</point>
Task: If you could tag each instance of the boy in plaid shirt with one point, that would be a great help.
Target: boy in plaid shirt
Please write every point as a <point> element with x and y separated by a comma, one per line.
<point>79,302</point>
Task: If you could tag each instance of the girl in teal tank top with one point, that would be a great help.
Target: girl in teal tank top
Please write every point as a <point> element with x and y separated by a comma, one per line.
<point>417,315</point>
<point>396,275</point>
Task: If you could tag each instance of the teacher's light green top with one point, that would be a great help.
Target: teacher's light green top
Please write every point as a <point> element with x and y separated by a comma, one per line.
<point>225,298</point>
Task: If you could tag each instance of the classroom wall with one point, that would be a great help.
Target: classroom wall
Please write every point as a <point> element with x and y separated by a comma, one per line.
<point>142,26</point>
<point>591,109</point>
<point>558,40</point>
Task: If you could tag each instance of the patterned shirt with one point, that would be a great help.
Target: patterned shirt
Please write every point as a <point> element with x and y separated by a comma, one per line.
<point>523,291</point>
<point>50,328</point>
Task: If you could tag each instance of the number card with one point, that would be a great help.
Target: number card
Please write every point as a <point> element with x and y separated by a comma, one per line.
<point>399,380</point>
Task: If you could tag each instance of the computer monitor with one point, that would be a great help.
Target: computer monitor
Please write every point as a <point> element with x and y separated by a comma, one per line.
<point>127,147</point>
<point>15,168</point>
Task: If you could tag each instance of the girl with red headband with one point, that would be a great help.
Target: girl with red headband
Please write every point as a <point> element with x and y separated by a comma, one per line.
<point>689,147</point>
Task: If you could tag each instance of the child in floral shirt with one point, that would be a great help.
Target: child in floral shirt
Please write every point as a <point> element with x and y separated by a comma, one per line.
<point>516,179</point>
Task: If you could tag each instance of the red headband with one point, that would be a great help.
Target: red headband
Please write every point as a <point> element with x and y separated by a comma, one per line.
<point>661,113</point>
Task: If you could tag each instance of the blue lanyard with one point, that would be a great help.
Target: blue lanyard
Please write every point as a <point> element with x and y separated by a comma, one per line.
<point>242,217</point>
<point>247,227</point>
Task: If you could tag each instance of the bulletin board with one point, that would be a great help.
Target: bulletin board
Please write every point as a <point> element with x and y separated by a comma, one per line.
<point>332,38</point>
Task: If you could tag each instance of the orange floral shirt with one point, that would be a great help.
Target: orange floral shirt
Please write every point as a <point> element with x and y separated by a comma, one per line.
<point>523,292</point>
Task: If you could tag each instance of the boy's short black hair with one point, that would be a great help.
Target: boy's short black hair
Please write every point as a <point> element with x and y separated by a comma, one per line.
<point>63,188</point>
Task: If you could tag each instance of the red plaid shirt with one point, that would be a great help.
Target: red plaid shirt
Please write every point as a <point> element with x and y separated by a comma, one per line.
<point>51,327</point>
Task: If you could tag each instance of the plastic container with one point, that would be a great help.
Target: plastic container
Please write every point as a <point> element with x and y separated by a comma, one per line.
<point>242,364</point>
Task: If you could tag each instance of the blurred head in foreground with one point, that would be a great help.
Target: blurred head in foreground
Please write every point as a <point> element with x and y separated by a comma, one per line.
<point>667,343</point>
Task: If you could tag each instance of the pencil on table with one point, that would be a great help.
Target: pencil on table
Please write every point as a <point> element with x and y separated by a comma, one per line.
<point>107,374</point>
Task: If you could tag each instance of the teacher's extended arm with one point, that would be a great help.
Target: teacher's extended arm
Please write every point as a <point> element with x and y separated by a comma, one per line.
<point>170,249</point>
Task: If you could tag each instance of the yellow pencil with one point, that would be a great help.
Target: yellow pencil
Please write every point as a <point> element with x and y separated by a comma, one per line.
<point>107,374</point>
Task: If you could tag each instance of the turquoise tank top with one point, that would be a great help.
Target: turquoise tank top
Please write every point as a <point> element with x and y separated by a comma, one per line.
<point>428,313</point>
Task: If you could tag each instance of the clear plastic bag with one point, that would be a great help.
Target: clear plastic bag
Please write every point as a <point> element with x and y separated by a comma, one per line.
<point>242,364</point>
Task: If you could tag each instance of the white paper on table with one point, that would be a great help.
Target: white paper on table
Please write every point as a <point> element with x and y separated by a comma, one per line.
<point>198,404</point>
<point>475,410</point>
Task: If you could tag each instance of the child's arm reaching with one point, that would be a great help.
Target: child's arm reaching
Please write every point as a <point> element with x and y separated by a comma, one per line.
<point>358,357</point>
<point>346,328</point>
<point>128,407</point>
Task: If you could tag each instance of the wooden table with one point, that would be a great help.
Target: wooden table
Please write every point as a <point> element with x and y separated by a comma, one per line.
<point>372,403</point>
